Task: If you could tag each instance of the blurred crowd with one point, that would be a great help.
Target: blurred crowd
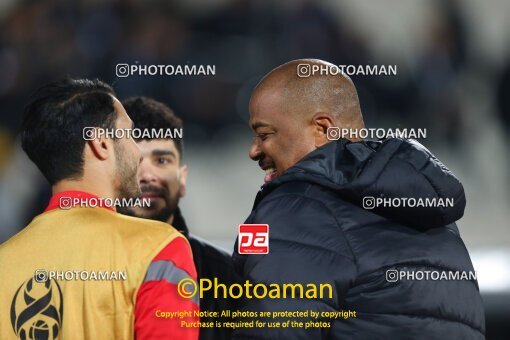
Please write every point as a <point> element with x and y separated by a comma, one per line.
<point>44,40</point>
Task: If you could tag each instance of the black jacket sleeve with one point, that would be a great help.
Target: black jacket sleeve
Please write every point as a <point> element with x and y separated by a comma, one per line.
<point>306,246</point>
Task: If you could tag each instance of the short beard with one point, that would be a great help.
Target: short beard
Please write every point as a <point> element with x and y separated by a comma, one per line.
<point>126,174</point>
<point>163,215</point>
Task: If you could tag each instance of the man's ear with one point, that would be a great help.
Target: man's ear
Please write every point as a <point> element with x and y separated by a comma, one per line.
<point>321,122</point>
<point>99,146</point>
<point>182,180</point>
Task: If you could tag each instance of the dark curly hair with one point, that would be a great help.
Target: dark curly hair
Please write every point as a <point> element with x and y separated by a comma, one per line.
<point>148,113</point>
<point>53,122</point>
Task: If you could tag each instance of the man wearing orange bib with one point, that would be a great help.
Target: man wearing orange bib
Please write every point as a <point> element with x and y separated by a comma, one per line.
<point>80,270</point>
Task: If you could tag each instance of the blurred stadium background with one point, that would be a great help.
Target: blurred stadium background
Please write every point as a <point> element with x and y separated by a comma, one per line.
<point>453,61</point>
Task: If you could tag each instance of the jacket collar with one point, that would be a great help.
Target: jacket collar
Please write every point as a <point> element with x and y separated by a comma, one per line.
<point>179,223</point>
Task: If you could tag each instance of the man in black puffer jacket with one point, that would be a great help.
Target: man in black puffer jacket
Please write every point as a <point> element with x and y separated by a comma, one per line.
<point>403,270</point>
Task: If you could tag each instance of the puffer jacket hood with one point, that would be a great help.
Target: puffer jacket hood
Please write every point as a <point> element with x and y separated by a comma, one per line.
<point>393,168</point>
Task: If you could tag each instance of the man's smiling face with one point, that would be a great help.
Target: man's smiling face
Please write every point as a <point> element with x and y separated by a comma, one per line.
<point>281,139</point>
<point>162,179</point>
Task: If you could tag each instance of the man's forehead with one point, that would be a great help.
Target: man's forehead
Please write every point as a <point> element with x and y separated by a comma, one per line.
<point>266,94</point>
<point>119,109</point>
<point>266,109</point>
<point>157,145</point>
<point>117,104</point>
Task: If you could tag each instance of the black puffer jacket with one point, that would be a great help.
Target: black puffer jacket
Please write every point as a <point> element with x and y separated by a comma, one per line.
<point>319,232</point>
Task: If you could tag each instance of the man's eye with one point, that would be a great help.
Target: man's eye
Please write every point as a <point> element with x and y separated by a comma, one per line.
<point>162,160</point>
<point>262,136</point>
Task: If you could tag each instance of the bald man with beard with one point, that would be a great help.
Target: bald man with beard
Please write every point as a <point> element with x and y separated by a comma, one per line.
<point>320,233</point>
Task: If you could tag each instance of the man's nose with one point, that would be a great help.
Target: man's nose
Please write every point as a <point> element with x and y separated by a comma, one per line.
<point>145,175</point>
<point>255,151</point>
